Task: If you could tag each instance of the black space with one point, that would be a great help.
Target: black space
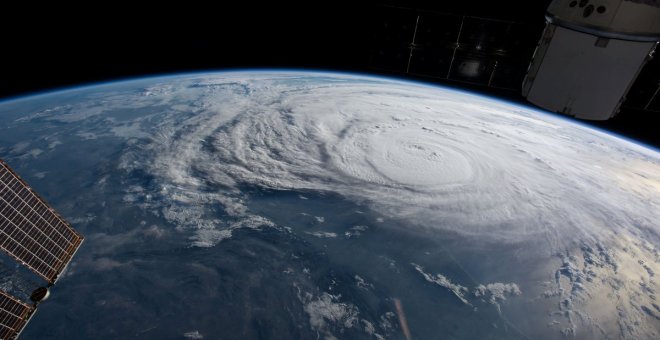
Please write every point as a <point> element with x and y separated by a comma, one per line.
<point>46,47</point>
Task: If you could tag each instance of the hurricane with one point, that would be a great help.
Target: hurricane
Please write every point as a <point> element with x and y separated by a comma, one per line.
<point>409,151</point>
<point>363,207</point>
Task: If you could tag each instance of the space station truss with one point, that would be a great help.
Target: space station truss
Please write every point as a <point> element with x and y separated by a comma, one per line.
<point>31,231</point>
<point>14,315</point>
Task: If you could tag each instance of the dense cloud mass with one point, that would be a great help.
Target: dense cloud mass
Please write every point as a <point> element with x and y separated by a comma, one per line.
<point>580,208</point>
<point>498,171</point>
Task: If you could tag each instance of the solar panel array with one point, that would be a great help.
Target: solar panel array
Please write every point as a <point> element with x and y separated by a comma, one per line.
<point>31,231</point>
<point>480,51</point>
<point>14,315</point>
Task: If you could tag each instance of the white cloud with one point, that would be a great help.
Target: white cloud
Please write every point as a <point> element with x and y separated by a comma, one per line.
<point>362,283</point>
<point>326,308</point>
<point>494,292</point>
<point>355,231</point>
<point>439,279</point>
<point>497,291</point>
<point>323,234</point>
<point>205,238</point>
<point>194,335</point>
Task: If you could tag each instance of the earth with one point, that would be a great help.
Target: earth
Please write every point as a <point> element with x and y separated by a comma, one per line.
<point>310,205</point>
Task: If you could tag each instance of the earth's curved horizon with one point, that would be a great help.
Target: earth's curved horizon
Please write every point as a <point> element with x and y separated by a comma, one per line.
<point>303,204</point>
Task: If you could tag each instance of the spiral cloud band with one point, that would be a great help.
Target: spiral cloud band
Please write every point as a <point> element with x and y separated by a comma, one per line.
<point>411,151</point>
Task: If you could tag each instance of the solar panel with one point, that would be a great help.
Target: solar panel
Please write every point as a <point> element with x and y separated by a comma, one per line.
<point>31,231</point>
<point>479,51</point>
<point>14,315</point>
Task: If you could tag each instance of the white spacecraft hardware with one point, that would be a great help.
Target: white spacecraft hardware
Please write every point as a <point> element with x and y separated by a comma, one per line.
<point>37,237</point>
<point>590,54</point>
